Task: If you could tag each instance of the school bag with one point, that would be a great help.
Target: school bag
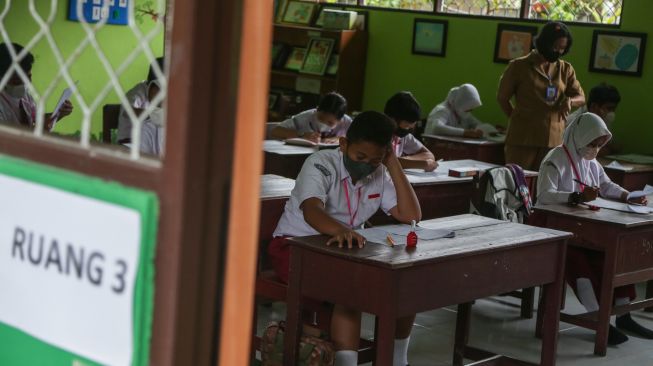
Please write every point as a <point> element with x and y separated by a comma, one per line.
<point>501,193</point>
<point>314,349</point>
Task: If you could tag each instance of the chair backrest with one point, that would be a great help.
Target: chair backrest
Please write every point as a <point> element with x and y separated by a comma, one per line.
<point>110,114</point>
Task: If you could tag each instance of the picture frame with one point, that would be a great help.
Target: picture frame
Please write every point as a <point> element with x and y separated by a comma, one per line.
<point>332,66</point>
<point>279,54</point>
<point>299,12</point>
<point>317,56</point>
<point>319,19</point>
<point>513,41</point>
<point>295,59</point>
<point>430,37</point>
<point>620,53</point>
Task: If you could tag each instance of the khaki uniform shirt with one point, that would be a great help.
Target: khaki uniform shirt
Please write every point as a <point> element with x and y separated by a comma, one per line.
<point>535,121</point>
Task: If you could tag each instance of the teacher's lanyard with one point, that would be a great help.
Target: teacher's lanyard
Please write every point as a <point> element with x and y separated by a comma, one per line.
<point>573,167</point>
<point>358,203</point>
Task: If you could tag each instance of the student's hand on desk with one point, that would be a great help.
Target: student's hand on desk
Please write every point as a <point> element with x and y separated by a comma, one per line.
<point>312,136</point>
<point>637,200</point>
<point>473,133</point>
<point>589,194</point>
<point>430,165</point>
<point>348,237</point>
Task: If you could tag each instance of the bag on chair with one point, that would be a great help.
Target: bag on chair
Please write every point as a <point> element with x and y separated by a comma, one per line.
<point>313,350</point>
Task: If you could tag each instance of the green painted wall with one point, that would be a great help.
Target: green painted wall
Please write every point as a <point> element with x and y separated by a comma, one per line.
<point>116,42</point>
<point>470,50</point>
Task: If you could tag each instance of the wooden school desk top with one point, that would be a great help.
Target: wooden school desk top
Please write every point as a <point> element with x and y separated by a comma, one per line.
<point>463,140</point>
<point>285,160</point>
<point>633,179</point>
<point>603,216</point>
<point>487,257</point>
<point>474,234</point>
<point>275,186</point>
<point>441,175</point>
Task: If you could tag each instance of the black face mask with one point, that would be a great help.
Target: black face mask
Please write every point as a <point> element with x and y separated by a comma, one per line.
<point>551,55</point>
<point>357,169</point>
<point>402,132</point>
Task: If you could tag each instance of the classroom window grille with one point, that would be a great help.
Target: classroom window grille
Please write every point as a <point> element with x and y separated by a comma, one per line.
<point>103,83</point>
<point>424,5</point>
<point>492,8</point>
<point>584,11</point>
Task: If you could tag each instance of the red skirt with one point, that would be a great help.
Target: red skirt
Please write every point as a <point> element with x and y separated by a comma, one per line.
<point>279,252</point>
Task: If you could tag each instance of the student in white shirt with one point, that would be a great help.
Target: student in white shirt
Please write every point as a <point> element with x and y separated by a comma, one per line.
<point>561,169</point>
<point>325,123</point>
<point>17,106</point>
<point>335,193</point>
<point>153,129</point>
<point>453,117</point>
<point>404,109</point>
<point>603,101</point>
<point>139,98</point>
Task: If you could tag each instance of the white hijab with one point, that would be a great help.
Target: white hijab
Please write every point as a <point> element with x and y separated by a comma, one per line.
<point>463,98</point>
<point>580,133</point>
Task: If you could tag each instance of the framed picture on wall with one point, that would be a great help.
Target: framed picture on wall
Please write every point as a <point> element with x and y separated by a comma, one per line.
<point>513,41</point>
<point>430,37</point>
<point>295,59</point>
<point>618,52</point>
<point>317,56</point>
<point>299,12</point>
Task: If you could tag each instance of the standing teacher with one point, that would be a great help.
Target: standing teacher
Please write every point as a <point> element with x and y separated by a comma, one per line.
<point>545,90</point>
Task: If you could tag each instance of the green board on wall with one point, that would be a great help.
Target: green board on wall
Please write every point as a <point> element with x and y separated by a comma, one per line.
<point>76,268</point>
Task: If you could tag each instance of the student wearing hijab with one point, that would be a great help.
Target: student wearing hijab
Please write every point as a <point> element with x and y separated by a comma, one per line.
<point>563,167</point>
<point>603,101</point>
<point>453,117</point>
<point>545,90</point>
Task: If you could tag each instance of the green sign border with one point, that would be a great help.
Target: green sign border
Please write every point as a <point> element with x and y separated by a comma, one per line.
<point>19,348</point>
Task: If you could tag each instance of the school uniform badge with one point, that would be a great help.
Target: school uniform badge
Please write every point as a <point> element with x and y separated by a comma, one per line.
<point>322,169</point>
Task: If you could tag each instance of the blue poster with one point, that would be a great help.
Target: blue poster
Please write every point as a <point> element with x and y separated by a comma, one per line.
<point>93,11</point>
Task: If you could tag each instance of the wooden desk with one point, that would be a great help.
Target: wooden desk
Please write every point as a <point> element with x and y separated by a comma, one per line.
<point>632,180</point>
<point>275,191</point>
<point>487,257</point>
<point>284,160</point>
<point>456,148</point>
<point>627,242</point>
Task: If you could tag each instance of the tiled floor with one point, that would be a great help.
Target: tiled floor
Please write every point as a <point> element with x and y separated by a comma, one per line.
<point>497,327</point>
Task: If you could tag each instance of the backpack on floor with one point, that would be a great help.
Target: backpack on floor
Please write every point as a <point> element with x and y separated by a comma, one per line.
<point>314,350</point>
<point>501,193</point>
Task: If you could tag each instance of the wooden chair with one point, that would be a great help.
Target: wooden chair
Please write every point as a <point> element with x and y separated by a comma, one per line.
<point>110,114</point>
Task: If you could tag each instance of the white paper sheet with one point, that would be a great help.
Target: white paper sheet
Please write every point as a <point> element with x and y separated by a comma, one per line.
<point>618,166</point>
<point>65,95</point>
<point>399,232</point>
<point>618,206</point>
<point>647,191</point>
<point>640,209</point>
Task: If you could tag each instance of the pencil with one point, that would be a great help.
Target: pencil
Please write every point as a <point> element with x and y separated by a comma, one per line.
<point>390,240</point>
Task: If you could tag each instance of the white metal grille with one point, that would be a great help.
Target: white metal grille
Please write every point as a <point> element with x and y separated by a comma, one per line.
<point>89,104</point>
<point>586,11</point>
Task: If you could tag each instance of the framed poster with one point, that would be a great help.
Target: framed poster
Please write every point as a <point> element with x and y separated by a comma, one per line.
<point>317,56</point>
<point>93,11</point>
<point>513,41</point>
<point>430,37</point>
<point>619,53</point>
<point>299,12</point>
<point>295,59</point>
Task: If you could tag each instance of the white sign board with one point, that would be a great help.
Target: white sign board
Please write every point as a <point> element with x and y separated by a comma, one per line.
<point>67,269</point>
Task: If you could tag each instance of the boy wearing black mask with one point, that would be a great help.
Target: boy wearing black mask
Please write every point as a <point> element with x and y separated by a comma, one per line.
<point>405,111</point>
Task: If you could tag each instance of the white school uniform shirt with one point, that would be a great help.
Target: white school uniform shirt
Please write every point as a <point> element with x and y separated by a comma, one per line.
<point>407,145</point>
<point>153,138</point>
<point>556,177</point>
<point>138,98</point>
<point>324,176</point>
<point>306,122</point>
<point>450,117</point>
<point>10,109</point>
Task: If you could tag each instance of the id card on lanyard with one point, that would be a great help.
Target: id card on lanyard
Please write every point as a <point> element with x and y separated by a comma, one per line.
<point>573,167</point>
<point>551,93</point>
<point>352,217</point>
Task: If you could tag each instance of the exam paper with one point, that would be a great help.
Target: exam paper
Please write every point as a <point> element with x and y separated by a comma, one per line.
<point>67,93</point>
<point>647,191</point>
